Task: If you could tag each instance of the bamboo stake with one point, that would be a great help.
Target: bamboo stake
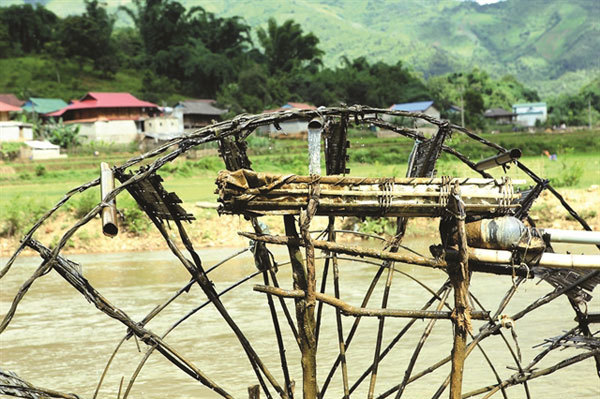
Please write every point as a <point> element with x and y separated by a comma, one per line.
<point>338,314</point>
<point>176,324</point>
<point>64,268</point>
<point>350,310</point>
<point>353,329</point>
<point>384,301</point>
<point>400,230</point>
<point>520,378</point>
<point>419,346</point>
<point>492,328</point>
<point>304,315</point>
<point>393,342</point>
<point>459,274</point>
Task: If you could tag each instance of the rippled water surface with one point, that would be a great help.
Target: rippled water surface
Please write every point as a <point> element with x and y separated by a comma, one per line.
<point>58,340</point>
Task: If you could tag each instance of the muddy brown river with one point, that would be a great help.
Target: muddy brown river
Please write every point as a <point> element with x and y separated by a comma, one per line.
<point>58,340</point>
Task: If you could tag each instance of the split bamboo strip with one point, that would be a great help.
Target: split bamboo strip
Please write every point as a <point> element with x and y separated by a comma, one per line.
<point>350,310</point>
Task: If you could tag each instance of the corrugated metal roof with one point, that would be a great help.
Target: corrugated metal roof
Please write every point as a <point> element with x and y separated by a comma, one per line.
<point>8,98</point>
<point>299,106</point>
<point>43,105</point>
<point>106,100</point>
<point>529,105</point>
<point>199,107</point>
<point>4,107</point>
<point>497,112</point>
<point>290,105</point>
<point>420,106</point>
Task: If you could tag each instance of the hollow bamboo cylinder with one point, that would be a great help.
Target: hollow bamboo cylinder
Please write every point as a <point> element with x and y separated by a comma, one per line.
<point>109,212</point>
<point>498,160</point>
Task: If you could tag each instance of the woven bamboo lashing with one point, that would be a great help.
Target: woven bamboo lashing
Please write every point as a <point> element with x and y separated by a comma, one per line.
<point>245,191</point>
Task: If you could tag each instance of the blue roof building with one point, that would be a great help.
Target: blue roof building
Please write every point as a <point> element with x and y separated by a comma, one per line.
<point>528,113</point>
<point>421,106</point>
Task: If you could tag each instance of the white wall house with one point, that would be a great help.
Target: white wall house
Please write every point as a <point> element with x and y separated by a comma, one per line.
<point>528,113</point>
<point>163,125</point>
<point>15,131</point>
<point>115,131</point>
<point>35,150</point>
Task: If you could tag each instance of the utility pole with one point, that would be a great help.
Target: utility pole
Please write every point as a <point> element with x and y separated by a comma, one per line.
<point>462,107</point>
<point>590,113</point>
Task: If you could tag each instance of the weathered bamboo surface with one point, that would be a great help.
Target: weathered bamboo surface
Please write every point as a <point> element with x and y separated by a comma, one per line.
<point>548,260</point>
<point>245,191</point>
<point>350,310</point>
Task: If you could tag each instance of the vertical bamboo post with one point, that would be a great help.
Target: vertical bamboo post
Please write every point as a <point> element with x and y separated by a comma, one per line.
<point>109,212</point>
<point>458,272</point>
<point>254,392</point>
<point>305,316</point>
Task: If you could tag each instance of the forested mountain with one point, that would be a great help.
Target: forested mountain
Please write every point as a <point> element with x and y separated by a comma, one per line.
<point>550,45</point>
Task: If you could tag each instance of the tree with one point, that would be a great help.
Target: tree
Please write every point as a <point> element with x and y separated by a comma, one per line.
<point>88,37</point>
<point>161,23</point>
<point>28,28</point>
<point>228,36</point>
<point>286,47</point>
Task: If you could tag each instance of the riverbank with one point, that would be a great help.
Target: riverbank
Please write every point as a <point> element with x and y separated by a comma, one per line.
<point>211,230</point>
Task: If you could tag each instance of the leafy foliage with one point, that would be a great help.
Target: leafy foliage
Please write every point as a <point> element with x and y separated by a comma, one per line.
<point>65,136</point>
<point>286,47</point>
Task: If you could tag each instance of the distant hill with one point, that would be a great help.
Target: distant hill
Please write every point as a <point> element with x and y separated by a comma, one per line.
<point>550,45</point>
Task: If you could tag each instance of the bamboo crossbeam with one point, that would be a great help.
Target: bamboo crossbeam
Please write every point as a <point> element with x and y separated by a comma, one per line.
<point>348,180</point>
<point>245,191</point>
<point>350,310</point>
<point>549,260</point>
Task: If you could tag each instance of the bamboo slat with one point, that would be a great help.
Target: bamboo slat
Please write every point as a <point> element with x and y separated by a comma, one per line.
<point>244,191</point>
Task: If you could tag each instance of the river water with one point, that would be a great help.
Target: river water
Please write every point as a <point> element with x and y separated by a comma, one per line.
<point>58,340</point>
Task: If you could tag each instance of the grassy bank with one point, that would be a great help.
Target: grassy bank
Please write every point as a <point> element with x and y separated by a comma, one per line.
<point>29,188</point>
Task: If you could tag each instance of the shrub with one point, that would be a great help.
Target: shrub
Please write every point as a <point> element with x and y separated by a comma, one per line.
<point>134,220</point>
<point>85,203</point>
<point>40,170</point>
<point>63,135</point>
<point>10,151</point>
<point>569,176</point>
<point>19,217</point>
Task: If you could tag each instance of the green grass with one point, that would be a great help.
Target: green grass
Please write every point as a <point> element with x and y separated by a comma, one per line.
<point>193,180</point>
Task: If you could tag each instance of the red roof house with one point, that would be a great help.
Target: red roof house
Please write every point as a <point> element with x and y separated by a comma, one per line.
<point>106,106</point>
<point>289,106</point>
<point>5,109</point>
<point>291,128</point>
<point>11,99</point>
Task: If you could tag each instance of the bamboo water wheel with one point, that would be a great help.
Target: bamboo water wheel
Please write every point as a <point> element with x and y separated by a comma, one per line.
<point>484,228</point>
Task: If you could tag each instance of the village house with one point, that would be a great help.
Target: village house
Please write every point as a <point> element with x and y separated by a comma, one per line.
<point>160,129</point>
<point>108,117</point>
<point>499,116</point>
<point>424,107</point>
<point>292,127</point>
<point>11,130</point>
<point>11,99</point>
<point>196,113</point>
<point>528,113</point>
<point>37,150</point>
<point>42,106</point>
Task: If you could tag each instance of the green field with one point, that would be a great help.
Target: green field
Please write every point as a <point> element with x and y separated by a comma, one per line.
<point>35,186</point>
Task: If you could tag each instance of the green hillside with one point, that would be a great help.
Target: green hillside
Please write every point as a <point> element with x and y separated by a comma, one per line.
<point>550,45</point>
